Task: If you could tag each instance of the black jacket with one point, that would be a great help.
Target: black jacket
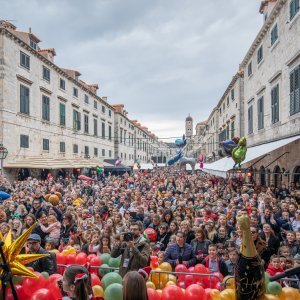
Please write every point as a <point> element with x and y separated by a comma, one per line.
<point>44,264</point>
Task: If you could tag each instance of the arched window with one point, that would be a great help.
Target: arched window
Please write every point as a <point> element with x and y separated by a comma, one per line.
<point>297,175</point>
<point>262,176</point>
<point>277,176</point>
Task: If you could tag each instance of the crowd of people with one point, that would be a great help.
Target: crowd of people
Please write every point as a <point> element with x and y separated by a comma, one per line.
<point>194,216</point>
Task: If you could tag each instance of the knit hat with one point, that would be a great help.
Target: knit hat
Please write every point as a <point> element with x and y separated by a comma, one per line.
<point>145,272</point>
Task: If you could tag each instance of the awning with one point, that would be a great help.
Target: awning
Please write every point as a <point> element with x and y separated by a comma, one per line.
<point>40,162</point>
<point>222,166</point>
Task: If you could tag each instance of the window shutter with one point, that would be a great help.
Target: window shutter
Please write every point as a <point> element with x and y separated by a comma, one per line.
<point>292,93</point>
<point>297,89</point>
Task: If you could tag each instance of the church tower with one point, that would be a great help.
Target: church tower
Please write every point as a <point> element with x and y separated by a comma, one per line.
<point>189,127</point>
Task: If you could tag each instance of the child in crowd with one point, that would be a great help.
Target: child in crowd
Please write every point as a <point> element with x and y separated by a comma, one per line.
<point>274,265</point>
<point>283,262</point>
<point>50,245</point>
<point>284,251</point>
<point>231,262</point>
<point>214,263</point>
<point>53,229</point>
<point>161,255</point>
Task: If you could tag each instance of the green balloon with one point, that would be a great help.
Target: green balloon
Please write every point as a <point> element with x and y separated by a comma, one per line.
<point>104,269</point>
<point>109,279</point>
<point>105,258</point>
<point>17,280</point>
<point>267,278</point>
<point>114,262</point>
<point>113,292</point>
<point>274,288</point>
<point>45,275</point>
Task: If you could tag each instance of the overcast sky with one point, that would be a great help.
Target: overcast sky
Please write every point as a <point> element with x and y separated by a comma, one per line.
<point>163,59</point>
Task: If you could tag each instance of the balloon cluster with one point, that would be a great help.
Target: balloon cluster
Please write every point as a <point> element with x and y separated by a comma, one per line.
<point>44,287</point>
<point>208,286</point>
<point>235,148</point>
<point>54,198</point>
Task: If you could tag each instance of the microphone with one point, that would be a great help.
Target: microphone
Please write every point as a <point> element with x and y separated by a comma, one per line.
<point>287,273</point>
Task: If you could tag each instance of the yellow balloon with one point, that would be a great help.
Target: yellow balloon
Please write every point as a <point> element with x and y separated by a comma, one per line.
<point>65,252</point>
<point>150,285</point>
<point>228,294</point>
<point>172,277</point>
<point>215,294</point>
<point>170,283</point>
<point>163,280</point>
<point>165,266</point>
<point>72,251</point>
<point>98,291</point>
<point>156,277</point>
<point>289,293</point>
<point>230,282</point>
<point>270,297</point>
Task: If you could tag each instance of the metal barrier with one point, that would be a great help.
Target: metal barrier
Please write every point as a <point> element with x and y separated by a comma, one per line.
<point>109,269</point>
<point>182,275</point>
<point>288,282</point>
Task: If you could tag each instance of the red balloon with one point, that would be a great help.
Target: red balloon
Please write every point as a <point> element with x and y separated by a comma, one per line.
<point>172,292</point>
<point>153,294</point>
<point>71,259</point>
<point>210,282</point>
<point>151,234</point>
<point>219,275</point>
<point>30,285</point>
<point>207,292</point>
<point>189,279</point>
<point>199,268</point>
<point>195,292</point>
<point>54,278</point>
<point>90,256</point>
<point>81,259</point>
<point>95,279</point>
<point>42,294</point>
<point>61,259</point>
<point>19,290</point>
<point>191,269</point>
<point>181,284</point>
<point>181,268</point>
<point>96,261</point>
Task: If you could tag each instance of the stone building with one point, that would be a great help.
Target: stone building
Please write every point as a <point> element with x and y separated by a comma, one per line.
<point>271,91</point>
<point>52,120</point>
<point>269,114</point>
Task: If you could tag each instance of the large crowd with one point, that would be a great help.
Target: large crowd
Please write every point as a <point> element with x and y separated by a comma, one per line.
<point>194,217</point>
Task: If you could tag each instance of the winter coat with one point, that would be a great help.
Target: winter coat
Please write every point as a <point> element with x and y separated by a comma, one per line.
<point>222,265</point>
<point>44,264</point>
<point>173,253</point>
<point>132,259</point>
<point>271,270</point>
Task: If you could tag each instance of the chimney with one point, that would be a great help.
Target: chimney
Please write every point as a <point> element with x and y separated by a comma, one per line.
<point>104,98</point>
<point>48,53</point>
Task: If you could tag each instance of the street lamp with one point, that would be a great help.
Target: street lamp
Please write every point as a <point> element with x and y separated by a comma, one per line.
<point>3,155</point>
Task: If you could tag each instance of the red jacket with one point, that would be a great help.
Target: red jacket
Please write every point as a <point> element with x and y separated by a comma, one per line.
<point>271,270</point>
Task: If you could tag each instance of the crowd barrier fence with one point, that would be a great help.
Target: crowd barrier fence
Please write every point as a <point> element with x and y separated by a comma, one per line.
<point>182,275</point>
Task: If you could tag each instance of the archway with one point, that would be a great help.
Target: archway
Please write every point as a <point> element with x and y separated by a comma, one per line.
<point>297,175</point>
<point>23,174</point>
<point>262,176</point>
<point>277,176</point>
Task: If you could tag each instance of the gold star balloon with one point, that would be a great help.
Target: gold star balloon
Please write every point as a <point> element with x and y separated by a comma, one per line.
<point>15,260</point>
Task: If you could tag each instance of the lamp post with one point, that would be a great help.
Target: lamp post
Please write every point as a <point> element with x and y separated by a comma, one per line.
<point>3,155</point>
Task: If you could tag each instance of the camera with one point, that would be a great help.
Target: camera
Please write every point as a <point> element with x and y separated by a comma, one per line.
<point>128,236</point>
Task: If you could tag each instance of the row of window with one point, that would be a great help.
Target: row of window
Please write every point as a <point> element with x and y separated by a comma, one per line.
<point>25,62</point>
<point>227,133</point>
<point>24,143</point>
<point>294,9</point>
<point>25,104</point>
<point>227,101</point>
<point>294,102</point>
<point>260,110</point>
